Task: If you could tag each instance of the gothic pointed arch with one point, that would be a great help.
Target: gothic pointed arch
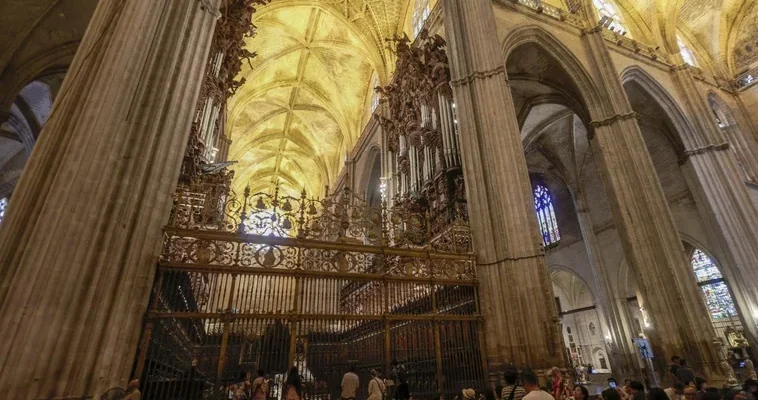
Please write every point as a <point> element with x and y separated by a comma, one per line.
<point>684,133</point>
<point>586,94</point>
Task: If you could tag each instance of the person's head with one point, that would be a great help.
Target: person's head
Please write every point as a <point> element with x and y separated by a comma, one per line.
<point>678,388</point>
<point>246,384</point>
<point>713,395</point>
<point>657,393</point>
<point>750,386</point>
<point>293,378</point>
<point>701,384</point>
<point>636,387</point>
<point>133,384</point>
<point>469,394</point>
<point>374,374</point>
<point>690,392</point>
<point>683,362</point>
<point>610,394</point>
<point>555,372</point>
<point>511,376</point>
<point>581,393</point>
<point>529,380</point>
<point>352,368</point>
<point>675,360</point>
<point>261,372</point>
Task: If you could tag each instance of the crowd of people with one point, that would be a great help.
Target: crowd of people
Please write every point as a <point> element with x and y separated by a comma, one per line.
<point>686,386</point>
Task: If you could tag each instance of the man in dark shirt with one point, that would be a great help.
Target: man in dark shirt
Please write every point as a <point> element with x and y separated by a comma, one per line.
<point>675,360</point>
<point>685,374</point>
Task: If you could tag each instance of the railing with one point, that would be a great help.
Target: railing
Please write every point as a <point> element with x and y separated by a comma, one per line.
<point>342,217</point>
<point>633,45</point>
<point>747,79</point>
<point>554,12</point>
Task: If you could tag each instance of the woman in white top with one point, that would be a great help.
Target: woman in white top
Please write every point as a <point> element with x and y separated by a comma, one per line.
<point>376,387</point>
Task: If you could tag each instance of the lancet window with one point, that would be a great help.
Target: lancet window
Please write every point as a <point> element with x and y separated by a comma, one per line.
<point>717,297</point>
<point>609,17</point>
<point>375,95</point>
<point>3,206</point>
<point>543,204</point>
<point>685,52</point>
<point>420,13</point>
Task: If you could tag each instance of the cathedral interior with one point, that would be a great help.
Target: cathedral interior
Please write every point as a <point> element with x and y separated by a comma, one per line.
<point>195,190</point>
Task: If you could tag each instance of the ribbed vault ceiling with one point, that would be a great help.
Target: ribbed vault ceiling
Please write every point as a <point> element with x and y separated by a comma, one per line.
<point>307,95</point>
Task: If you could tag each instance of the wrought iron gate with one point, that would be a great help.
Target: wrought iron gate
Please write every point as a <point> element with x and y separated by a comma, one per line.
<point>269,282</point>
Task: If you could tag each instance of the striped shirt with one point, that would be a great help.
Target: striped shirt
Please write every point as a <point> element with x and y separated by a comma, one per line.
<point>518,392</point>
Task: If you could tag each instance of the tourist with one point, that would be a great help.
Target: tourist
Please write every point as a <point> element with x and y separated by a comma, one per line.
<point>636,390</point>
<point>557,382</point>
<point>532,387</point>
<point>657,393</point>
<point>750,387</point>
<point>685,374</point>
<point>611,394</point>
<point>675,392</point>
<point>403,391</point>
<point>701,385</point>
<point>674,366</point>
<point>581,393</point>
<point>260,386</point>
<point>376,388</point>
<point>469,394</point>
<point>690,393</point>
<point>293,388</point>
<point>350,383</point>
<point>132,391</point>
<point>512,390</point>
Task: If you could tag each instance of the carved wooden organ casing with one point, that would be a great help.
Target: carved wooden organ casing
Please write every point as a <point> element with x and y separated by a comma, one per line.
<point>420,124</point>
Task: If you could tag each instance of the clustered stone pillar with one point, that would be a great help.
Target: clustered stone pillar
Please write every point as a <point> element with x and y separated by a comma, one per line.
<point>722,198</point>
<point>651,242</point>
<point>79,244</point>
<point>516,293</point>
<point>622,355</point>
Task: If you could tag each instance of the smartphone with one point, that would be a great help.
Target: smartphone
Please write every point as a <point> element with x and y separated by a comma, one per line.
<point>612,384</point>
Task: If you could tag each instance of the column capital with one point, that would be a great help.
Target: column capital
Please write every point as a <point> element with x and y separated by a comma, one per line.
<point>702,150</point>
<point>479,75</point>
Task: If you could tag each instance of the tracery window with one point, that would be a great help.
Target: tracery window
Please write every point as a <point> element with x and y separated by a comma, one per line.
<point>685,52</point>
<point>717,297</point>
<point>613,22</point>
<point>543,203</point>
<point>420,13</point>
<point>375,96</point>
<point>3,206</point>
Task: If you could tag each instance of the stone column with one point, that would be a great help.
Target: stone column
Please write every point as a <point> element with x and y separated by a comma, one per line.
<point>716,182</point>
<point>651,242</point>
<point>623,356</point>
<point>80,241</point>
<point>516,293</point>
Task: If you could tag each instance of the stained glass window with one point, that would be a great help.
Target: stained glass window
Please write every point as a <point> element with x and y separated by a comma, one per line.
<point>420,14</point>
<point>686,53</point>
<point>717,297</point>
<point>3,206</point>
<point>612,18</point>
<point>543,203</point>
<point>375,95</point>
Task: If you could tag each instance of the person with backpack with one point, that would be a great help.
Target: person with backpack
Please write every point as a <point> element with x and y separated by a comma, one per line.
<point>512,390</point>
<point>376,387</point>
<point>260,386</point>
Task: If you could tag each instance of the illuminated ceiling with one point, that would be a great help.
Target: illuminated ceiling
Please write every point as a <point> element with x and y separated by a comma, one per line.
<point>307,97</point>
